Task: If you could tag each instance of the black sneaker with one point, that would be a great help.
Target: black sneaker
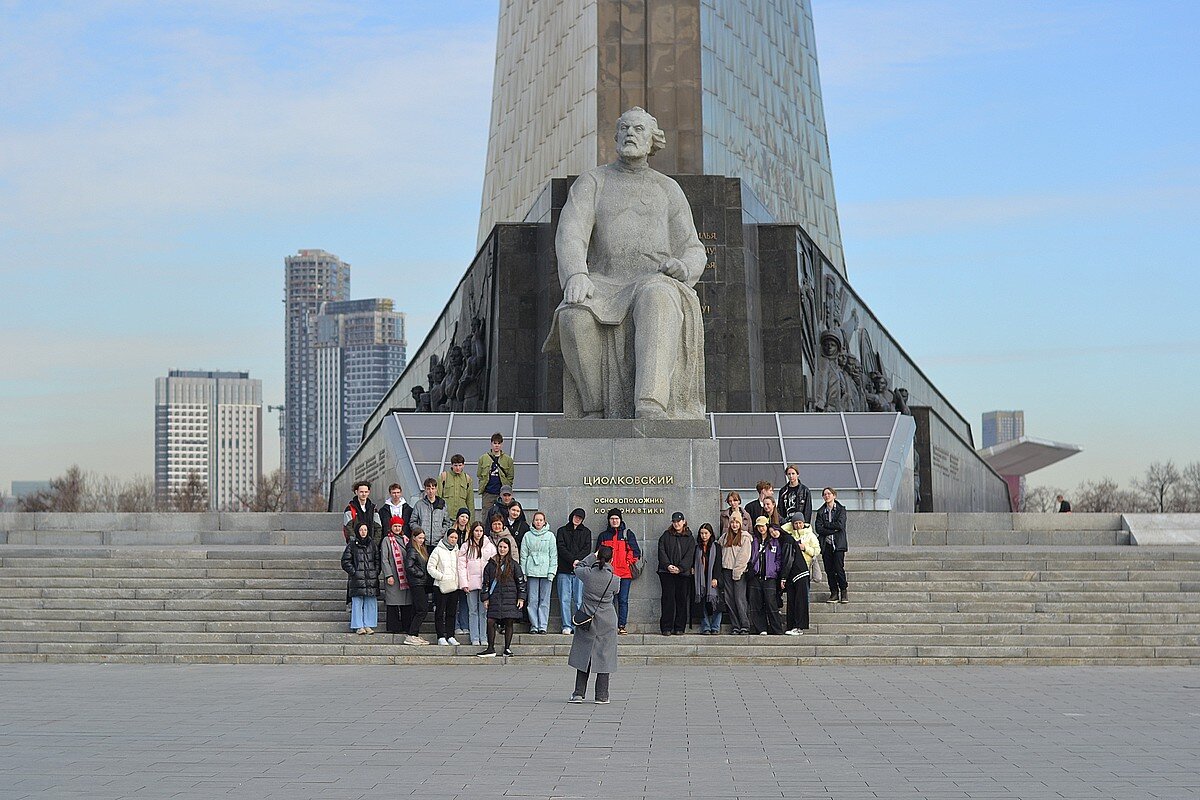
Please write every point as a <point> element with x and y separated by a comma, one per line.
<point>489,653</point>
<point>507,652</point>
<point>844,599</point>
<point>600,702</point>
<point>576,698</point>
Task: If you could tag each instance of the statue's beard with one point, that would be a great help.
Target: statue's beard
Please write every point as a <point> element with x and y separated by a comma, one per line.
<point>633,150</point>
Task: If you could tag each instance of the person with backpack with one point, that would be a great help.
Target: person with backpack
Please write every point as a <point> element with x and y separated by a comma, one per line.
<point>626,554</point>
<point>454,486</point>
<point>361,509</point>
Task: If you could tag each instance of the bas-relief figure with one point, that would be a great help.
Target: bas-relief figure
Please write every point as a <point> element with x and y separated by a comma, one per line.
<point>629,326</point>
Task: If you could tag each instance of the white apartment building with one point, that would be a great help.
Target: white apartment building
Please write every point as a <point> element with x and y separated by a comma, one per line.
<point>209,423</point>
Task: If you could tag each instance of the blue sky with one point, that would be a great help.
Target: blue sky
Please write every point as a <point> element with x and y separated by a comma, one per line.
<point>1018,185</point>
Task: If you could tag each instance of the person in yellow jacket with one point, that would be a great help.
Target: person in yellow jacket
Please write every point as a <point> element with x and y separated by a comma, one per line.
<point>454,486</point>
<point>799,577</point>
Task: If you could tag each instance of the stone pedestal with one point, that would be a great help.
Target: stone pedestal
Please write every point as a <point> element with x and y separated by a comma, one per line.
<point>647,478</point>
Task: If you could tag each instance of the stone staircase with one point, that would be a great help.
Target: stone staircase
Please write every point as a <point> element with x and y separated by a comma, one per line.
<point>1096,603</point>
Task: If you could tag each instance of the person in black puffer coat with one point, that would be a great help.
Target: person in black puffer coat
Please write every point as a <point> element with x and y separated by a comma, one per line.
<point>360,560</point>
<point>504,595</point>
<point>416,567</point>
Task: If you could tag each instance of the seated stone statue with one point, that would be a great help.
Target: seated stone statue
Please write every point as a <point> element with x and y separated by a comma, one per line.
<point>629,326</point>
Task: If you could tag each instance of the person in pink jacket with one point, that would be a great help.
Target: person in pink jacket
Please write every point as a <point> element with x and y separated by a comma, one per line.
<point>472,558</point>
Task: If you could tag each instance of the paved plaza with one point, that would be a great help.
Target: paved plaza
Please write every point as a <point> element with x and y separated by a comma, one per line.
<point>167,731</point>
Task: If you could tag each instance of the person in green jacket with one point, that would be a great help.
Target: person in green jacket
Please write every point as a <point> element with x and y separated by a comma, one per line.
<point>454,485</point>
<point>496,469</point>
<point>539,562</point>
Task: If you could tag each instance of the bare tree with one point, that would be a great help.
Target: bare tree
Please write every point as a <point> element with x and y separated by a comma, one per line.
<point>192,496</point>
<point>1041,499</point>
<point>271,494</point>
<point>1159,484</point>
<point>137,494</point>
<point>1106,496</point>
<point>1189,487</point>
<point>68,492</point>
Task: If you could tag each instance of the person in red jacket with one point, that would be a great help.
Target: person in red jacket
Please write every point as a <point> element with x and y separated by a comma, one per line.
<point>625,553</point>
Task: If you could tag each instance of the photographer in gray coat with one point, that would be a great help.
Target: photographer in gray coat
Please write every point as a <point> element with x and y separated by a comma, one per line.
<point>594,648</point>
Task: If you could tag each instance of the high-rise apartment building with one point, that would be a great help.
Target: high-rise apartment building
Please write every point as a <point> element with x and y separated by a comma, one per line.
<point>210,424</point>
<point>312,277</point>
<point>1002,426</point>
<point>733,83</point>
<point>359,353</point>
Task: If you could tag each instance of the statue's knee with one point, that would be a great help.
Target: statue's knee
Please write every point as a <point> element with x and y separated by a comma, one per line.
<point>574,320</point>
<point>658,296</point>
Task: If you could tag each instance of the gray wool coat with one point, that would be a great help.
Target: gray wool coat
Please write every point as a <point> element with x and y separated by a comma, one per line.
<point>392,595</point>
<point>594,647</point>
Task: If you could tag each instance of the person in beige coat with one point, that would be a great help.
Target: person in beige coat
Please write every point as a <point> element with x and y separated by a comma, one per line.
<point>735,556</point>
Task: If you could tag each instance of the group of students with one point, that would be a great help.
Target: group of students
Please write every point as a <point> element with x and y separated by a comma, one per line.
<point>484,578</point>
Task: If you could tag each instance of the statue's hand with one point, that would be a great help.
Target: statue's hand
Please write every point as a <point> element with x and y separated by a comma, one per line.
<point>578,289</point>
<point>674,268</point>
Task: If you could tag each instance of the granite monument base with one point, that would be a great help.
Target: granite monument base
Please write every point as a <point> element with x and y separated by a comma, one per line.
<point>647,478</point>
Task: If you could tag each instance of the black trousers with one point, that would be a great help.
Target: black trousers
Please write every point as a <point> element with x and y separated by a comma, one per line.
<point>506,625</point>
<point>581,681</point>
<point>445,606</point>
<point>835,569</point>
<point>398,618</point>
<point>797,604</point>
<point>420,609</point>
<point>764,605</point>
<point>676,590</point>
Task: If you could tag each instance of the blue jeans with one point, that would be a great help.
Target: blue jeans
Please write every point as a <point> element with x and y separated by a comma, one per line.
<point>709,622</point>
<point>364,612</point>
<point>622,601</point>
<point>570,597</point>
<point>476,617</point>
<point>462,619</point>
<point>539,603</point>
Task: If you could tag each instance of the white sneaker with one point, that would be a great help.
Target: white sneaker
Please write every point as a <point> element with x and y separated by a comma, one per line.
<point>462,632</point>
<point>567,630</point>
<point>452,641</point>
<point>762,633</point>
<point>793,632</point>
<point>442,641</point>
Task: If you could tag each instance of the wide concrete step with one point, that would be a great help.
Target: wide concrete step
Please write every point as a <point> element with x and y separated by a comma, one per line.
<point>1015,538</point>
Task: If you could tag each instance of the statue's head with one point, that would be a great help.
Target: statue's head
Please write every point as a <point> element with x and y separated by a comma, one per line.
<point>831,343</point>
<point>902,393</point>
<point>853,367</point>
<point>417,391</point>
<point>879,381</point>
<point>638,134</point>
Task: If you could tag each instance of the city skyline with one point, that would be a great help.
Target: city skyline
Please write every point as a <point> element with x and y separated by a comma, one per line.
<point>980,172</point>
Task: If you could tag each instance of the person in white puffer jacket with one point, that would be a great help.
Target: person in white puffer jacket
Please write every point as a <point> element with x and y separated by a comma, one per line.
<point>443,570</point>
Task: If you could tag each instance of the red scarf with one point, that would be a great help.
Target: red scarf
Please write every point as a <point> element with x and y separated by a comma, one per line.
<point>398,557</point>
